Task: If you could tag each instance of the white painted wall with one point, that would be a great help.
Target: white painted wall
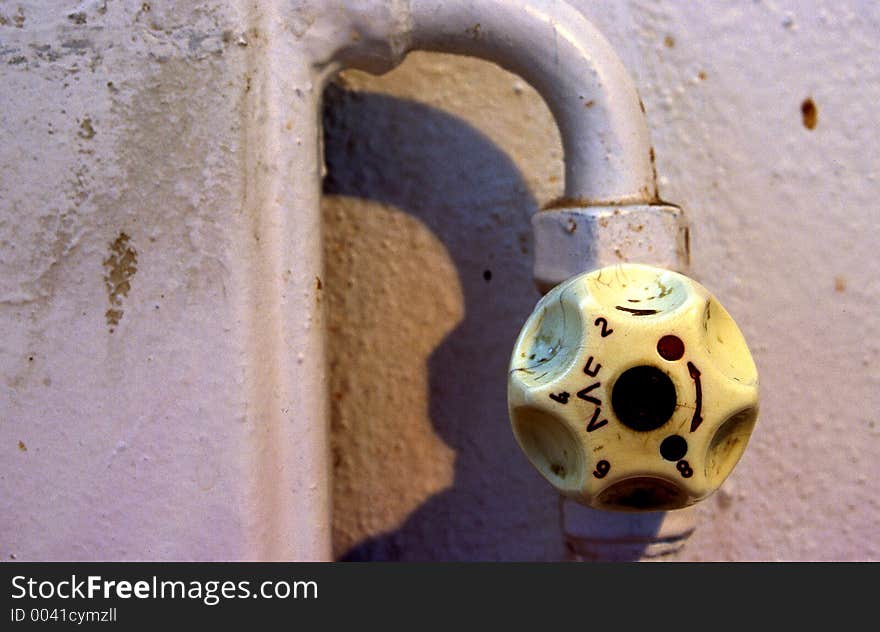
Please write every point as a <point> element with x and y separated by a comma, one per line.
<point>141,414</point>
<point>785,222</point>
<point>142,442</point>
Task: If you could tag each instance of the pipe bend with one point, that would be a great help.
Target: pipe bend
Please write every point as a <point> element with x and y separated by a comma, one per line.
<point>569,62</point>
<point>549,43</point>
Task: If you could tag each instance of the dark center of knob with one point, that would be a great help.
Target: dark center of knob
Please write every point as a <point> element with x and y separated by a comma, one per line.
<point>643,398</point>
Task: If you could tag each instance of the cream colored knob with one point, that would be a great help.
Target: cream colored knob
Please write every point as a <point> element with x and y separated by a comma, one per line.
<point>631,388</point>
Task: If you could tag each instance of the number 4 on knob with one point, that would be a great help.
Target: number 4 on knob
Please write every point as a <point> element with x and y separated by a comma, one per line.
<point>562,398</point>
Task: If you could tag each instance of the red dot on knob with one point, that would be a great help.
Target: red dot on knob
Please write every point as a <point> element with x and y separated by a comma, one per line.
<point>670,348</point>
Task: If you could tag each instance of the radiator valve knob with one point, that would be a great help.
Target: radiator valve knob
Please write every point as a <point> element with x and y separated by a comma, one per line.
<point>631,388</point>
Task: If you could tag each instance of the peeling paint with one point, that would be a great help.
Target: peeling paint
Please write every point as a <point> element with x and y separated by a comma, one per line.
<point>120,266</point>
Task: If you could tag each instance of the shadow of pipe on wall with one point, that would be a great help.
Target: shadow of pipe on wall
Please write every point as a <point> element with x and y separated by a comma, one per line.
<point>462,188</point>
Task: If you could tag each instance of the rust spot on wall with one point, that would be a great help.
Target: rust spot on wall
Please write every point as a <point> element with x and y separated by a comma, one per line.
<point>567,202</point>
<point>18,18</point>
<point>702,76</point>
<point>809,113</point>
<point>686,245</point>
<point>86,130</point>
<point>120,266</point>
<point>839,284</point>
<point>22,446</point>
<point>113,317</point>
<point>669,41</point>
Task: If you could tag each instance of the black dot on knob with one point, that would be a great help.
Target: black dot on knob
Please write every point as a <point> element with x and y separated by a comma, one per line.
<point>673,448</point>
<point>643,398</point>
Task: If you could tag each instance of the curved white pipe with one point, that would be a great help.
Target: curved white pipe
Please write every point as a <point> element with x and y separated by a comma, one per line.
<point>296,45</point>
<point>570,63</point>
<point>548,43</point>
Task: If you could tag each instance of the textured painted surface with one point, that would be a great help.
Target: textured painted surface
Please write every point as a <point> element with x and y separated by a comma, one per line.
<point>784,222</point>
<point>124,205</point>
<point>119,201</point>
<point>780,214</point>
